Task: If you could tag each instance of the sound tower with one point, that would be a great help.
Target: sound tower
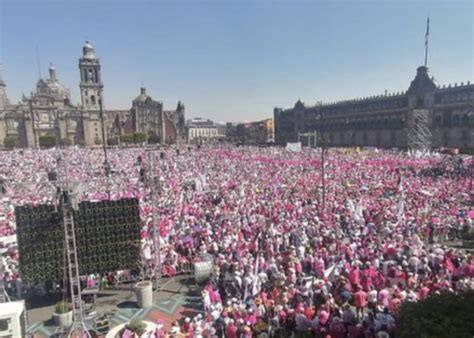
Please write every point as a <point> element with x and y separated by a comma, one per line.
<point>107,236</point>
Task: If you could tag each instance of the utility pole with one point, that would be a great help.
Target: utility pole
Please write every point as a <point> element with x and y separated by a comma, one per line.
<point>323,181</point>
<point>471,192</point>
<point>426,40</point>
<point>104,145</point>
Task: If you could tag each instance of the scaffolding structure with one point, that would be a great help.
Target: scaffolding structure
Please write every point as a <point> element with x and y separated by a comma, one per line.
<point>68,203</point>
<point>3,292</point>
<point>419,133</point>
<point>67,199</point>
<point>153,184</point>
<point>309,135</point>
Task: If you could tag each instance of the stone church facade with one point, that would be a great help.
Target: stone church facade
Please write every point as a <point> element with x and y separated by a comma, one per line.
<point>148,116</point>
<point>385,120</point>
<point>49,111</point>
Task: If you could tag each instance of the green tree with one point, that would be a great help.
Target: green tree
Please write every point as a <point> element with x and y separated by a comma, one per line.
<point>137,326</point>
<point>127,138</point>
<point>113,141</point>
<point>62,307</point>
<point>65,142</point>
<point>153,138</point>
<point>47,141</point>
<point>11,142</point>
<point>139,137</point>
<point>443,315</point>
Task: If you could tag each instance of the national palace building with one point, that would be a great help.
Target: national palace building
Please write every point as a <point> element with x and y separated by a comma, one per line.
<point>386,120</point>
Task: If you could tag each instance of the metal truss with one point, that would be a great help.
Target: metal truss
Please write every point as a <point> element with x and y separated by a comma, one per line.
<point>419,133</point>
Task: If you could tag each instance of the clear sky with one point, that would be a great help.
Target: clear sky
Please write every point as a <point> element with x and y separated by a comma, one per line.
<point>236,60</point>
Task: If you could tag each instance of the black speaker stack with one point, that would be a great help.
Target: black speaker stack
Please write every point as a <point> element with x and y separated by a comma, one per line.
<point>107,239</point>
<point>40,242</point>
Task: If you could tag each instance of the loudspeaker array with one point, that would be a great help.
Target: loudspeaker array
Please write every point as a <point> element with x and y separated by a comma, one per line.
<point>107,238</point>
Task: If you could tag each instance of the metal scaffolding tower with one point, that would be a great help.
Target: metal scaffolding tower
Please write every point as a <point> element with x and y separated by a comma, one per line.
<point>419,134</point>
<point>153,182</point>
<point>3,293</point>
<point>68,203</point>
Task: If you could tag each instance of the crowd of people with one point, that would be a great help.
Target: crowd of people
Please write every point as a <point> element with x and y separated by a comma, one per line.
<point>288,257</point>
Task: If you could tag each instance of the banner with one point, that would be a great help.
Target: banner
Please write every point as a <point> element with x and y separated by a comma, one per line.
<point>293,147</point>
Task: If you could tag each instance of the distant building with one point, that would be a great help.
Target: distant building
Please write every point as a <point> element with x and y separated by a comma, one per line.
<point>221,130</point>
<point>147,116</point>
<point>258,132</point>
<point>386,120</point>
<point>231,132</point>
<point>49,111</point>
<point>202,130</point>
<point>269,129</point>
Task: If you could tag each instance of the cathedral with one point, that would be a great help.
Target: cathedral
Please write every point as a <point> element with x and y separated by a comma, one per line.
<point>49,112</point>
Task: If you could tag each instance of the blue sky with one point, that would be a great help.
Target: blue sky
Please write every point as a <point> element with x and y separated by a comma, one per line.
<point>236,60</point>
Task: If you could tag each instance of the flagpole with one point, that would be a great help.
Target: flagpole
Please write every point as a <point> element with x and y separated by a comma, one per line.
<point>426,40</point>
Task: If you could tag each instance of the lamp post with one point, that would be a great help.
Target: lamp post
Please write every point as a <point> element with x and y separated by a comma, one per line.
<point>104,145</point>
<point>323,182</point>
<point>471,192</point>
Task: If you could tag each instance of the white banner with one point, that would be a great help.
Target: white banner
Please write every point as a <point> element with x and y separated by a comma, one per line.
<point>293,146</point>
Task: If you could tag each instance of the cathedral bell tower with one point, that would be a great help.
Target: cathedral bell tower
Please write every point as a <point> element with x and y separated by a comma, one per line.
<point>91,83</point>
<point>93,119</point>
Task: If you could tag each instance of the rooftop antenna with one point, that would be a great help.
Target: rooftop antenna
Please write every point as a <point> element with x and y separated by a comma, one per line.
<point>426,40</point>
<point>38,61</point>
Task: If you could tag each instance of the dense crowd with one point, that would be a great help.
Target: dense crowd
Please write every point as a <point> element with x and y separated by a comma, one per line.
<point>283,261</point>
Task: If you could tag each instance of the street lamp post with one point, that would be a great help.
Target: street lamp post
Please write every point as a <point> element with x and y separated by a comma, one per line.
<point>104,146</point>
<point>323,182</point>
<point>471,192</point>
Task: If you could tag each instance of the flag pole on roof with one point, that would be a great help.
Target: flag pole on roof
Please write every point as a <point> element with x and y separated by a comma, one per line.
<point>426,40</point>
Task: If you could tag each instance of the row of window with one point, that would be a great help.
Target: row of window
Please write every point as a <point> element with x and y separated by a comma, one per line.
<point>448,119</point>
<point>206,132</point>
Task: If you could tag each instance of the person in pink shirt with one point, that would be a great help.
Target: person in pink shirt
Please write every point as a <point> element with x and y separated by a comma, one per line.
<point>231,330</point>
<point>394,304</point>
<point>423,292</point>
<point>360,301</point>
<point>354,276</point>
<point>384,296</point>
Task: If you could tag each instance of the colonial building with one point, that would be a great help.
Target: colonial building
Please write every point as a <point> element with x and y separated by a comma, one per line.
<point>49,111</point>
<point>147,116</point>
<point>386,120</point>
<point>258,132</point>
<point>202,130</point>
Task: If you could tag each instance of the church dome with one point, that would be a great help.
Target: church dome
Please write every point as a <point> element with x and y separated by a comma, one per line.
<point>143,97</point>
<point>52,86</point>
<point>58,90</point>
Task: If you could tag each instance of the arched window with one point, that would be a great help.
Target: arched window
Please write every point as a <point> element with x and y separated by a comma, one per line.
<point>92,99</point>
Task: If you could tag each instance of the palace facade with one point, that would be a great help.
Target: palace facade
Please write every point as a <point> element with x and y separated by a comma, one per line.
<point>386,120</point>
